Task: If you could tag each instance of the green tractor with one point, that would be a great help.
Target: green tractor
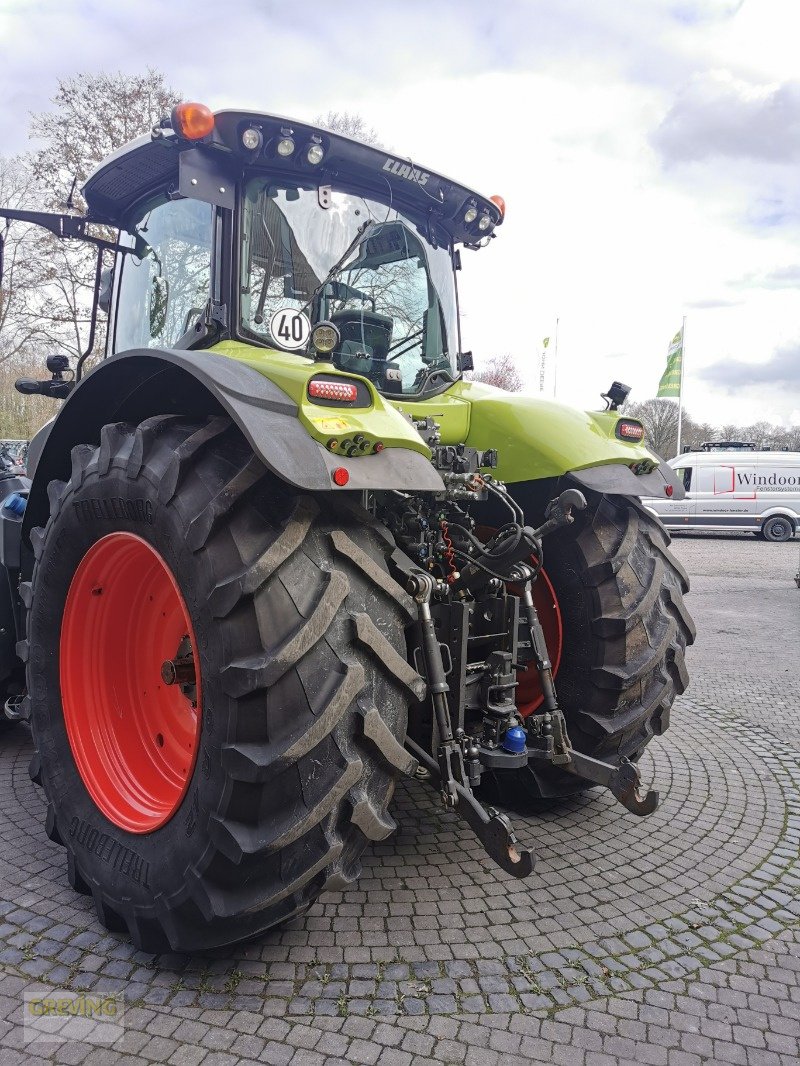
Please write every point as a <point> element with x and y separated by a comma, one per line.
<point>276,552</point>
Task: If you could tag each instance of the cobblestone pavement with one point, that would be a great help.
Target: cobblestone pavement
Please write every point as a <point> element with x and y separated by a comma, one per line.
<point>672,940</point>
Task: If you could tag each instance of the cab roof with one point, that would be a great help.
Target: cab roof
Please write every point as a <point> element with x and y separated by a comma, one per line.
<point>141,168</point>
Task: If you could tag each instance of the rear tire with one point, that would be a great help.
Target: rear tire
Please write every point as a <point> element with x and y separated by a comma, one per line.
<point>625,632</point>
<point>299,631</point>
<point>777,529</point>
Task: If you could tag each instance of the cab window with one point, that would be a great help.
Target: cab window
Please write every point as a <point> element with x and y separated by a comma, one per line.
<point>165,281</point>
<point>685,474</point>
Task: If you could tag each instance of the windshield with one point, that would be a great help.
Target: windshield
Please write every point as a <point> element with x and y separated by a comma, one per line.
<point>358,264</point>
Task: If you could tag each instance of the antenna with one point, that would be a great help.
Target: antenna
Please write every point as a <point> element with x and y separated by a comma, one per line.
<point>69,204</point>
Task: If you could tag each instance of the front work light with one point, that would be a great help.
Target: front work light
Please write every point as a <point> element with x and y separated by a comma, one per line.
<point>192,121</point>
<point>470,214</point>
<point>616,396</point>
<point>285,147</point>
<point>315,154</point>
<point>484,222</point>
<point>252,139</point>
<point>325,338</point>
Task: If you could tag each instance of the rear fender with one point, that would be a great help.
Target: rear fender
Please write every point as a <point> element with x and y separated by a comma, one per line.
<point>139,384</point>
<point>618,479</point>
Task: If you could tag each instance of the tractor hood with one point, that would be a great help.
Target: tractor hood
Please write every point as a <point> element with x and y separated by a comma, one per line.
<point>537,438</point>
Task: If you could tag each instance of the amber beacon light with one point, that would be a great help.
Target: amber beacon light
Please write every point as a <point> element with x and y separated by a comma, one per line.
<point>500,204</point>
<point>192,121</point>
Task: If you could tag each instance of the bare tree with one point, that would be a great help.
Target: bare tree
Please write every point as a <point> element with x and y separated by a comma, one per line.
<point>93,114</point>
<point>19,324</point>
<point>350,124</point>
<point>501,371</point>
<point>660,421</point>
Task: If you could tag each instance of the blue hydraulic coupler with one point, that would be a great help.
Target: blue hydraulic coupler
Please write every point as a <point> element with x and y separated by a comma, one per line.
<point>15,503</point>
<point>515,740</point>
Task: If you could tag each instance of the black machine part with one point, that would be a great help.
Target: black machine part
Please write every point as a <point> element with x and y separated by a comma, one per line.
<point>460,758</point>
<point>11,630</point>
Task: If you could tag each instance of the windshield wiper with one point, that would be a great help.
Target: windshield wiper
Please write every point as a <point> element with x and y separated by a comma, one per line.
<point>337,266</point>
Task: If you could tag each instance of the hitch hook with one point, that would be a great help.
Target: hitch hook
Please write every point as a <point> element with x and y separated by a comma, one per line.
<point>492,828</point>
<point>622,781</point>
<point>625,782</point>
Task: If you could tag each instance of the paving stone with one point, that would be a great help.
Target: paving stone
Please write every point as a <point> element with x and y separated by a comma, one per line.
<point>428,954</point>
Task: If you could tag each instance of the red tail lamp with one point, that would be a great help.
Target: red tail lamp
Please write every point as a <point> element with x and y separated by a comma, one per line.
<point>668,490</point>
<point>500,204</point>
<point>192,121</point>
<point>340,476</point>
<point>332,390</point>
<point>629,430</point>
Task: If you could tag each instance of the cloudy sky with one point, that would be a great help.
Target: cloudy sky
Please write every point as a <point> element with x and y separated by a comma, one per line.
<point>647,152</point>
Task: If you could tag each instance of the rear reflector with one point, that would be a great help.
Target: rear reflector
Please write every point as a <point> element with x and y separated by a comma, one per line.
<point>668,490</point>
<point>627,430</point>
<point>332,390</point>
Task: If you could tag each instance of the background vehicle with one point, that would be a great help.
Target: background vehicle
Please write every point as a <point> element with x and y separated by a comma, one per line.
<point>12,455</point>
<point>278,552</point>
<point>735,488</point>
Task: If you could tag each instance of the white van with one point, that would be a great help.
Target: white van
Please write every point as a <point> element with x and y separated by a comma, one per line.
<point>735,488</point>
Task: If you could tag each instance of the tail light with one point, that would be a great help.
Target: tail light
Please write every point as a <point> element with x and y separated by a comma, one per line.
<point>629,429</point>
<point>333,390</point>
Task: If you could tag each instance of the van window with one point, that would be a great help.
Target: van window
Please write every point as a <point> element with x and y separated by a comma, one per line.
<point>685,474</point>
<point>730,480</point>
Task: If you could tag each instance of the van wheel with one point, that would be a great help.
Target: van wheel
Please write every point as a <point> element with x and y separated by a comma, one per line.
<point>777,528</point>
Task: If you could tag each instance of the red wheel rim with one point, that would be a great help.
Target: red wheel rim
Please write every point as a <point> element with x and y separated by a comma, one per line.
<point>529,690</point>
<point>134,737</point>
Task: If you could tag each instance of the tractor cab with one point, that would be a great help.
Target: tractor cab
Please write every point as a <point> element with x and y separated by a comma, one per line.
<point>261,229</point>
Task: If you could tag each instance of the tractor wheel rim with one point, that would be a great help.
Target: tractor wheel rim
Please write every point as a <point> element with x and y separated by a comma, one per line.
<point>529,696</point>
<point>134,737</point>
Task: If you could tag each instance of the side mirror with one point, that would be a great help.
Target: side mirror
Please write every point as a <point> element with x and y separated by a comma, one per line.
<point>105,290</point>
<point>159,300</point>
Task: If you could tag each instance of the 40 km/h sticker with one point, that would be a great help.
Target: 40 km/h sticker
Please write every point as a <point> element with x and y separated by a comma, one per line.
<point>289,328</point>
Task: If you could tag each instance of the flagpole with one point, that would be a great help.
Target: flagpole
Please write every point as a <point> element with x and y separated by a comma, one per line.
<point>680,383</point>
<point>555,360</point>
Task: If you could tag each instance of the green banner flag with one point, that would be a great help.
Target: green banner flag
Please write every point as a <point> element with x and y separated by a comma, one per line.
<point>670,384</point>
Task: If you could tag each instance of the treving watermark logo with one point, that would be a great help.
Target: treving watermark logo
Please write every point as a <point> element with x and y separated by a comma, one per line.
<point>53,1015</point>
